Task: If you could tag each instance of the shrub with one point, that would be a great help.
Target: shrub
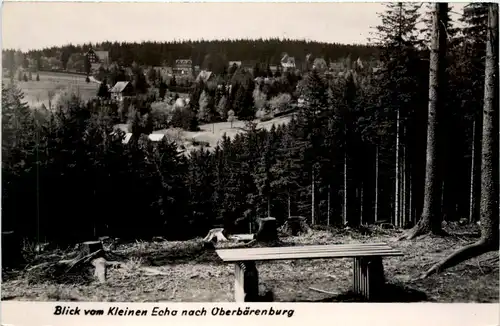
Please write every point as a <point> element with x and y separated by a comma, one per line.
<point>161,113</point>
<point>280,103</point>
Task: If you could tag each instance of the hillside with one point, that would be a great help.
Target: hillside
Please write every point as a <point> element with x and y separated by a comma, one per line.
<point>36,93</point>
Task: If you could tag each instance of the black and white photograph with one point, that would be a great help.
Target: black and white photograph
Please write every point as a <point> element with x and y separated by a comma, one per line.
<point>335,152</point>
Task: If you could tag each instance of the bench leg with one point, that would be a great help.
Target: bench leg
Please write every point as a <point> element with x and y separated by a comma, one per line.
<point>368,277</point>
<point>246,285</point>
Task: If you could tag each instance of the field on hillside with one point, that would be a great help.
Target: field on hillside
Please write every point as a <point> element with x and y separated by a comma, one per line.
<point>37,92</point>
<point>211,133</point>
<point>187,272</point>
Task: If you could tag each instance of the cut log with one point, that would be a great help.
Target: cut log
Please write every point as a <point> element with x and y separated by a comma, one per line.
<point>11,249</point>
<point>267,230</point>
<point>89,247</point>
<point>242,237</point>
<point>295,225</point>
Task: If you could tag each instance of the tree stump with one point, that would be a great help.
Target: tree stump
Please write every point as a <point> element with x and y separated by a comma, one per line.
<point>90,247</point>
<point>11,249</point>
<point>295,225</point>
<point>267,230</point>
<point>216,235</point>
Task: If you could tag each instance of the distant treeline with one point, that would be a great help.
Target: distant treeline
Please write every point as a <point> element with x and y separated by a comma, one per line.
<point>264,51</point>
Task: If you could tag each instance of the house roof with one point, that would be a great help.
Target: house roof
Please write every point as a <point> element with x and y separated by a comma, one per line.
<point>152,137</point>
<point>287,61</point>
<point>156,137</point>
<point>204,75</point>
<point>102,55</point>
<point>119,87</point>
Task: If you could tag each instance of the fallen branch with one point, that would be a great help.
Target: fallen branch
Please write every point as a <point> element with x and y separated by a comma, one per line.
<point>153,271</point>
<point>322,291</point>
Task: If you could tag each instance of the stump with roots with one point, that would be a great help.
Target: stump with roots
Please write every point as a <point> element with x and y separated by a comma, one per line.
<point>268,231</point>
<point>295,225</point>
<point>214,236</point>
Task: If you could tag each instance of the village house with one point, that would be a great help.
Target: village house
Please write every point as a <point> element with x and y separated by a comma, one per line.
<point>183,67</point>
<point>121,90</point>
<point>337,67</point>
<point>164,71</point>
<point>288,63</point>
<point>98,59</point>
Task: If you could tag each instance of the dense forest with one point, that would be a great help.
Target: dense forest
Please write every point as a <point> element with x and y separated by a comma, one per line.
<point>165,53</point>
<point>355,153</point>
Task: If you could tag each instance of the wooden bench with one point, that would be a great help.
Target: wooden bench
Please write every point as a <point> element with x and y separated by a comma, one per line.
<point>368,275</point>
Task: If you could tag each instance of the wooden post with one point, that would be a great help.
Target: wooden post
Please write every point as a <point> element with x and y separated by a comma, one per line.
<point>368,277</point>
<point>100,272</point>
<point>246,284</point>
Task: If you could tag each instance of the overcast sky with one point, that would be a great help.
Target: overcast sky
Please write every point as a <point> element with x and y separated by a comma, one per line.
<point>33,25</point>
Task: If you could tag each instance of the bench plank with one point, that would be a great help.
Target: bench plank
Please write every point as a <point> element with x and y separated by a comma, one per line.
<point>307,247</point>
<point>246,251</point>
<point>306,252</point>
<point>368,270</point>
<point>337,252</point>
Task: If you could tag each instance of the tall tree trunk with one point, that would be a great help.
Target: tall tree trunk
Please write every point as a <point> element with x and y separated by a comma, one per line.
<point>397,187</point>
<point>376,184</point>
<point>312,199</point>
<point>328,209</point>
<point>345,190</point>
<point>489,159</point>
<point>430,221</point>
<point>403,187</point>
<point>361,205</point>
<point>289,206</point>
<point>268,206</point>
<point>410,199</point>
<point>472,174</point>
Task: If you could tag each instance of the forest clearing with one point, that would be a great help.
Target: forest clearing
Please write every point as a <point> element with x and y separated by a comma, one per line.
<point>364,180</point>
<point>185,271</point>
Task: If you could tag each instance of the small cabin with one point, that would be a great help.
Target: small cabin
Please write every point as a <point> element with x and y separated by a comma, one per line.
<point>121,90</point>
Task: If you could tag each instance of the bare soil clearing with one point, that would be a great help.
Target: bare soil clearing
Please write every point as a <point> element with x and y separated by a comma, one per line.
<point>187,272</point>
